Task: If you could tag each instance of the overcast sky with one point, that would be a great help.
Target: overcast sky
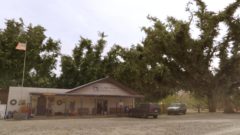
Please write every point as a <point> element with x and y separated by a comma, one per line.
<point>121,20</point>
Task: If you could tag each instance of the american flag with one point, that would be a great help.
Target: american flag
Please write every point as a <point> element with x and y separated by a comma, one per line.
<point>21,46</point>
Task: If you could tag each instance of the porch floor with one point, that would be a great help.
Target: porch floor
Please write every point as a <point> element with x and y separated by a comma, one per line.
<point>77,117</point>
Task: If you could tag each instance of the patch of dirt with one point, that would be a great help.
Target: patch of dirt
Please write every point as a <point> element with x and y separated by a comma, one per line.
<point>190,124</point>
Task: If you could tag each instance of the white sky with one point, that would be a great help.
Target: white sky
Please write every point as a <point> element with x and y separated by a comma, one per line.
<point>121,20</point>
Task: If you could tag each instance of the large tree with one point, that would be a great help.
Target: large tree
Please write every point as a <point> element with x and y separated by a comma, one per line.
<point>41,55</point>
<point>133,68</point>
<point>190,60</point>
<point>85,65</point>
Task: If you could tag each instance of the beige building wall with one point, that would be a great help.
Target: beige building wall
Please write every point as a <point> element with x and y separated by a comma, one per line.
<point>90,103</point>
<point>113,102</point>
<point>23,93</point>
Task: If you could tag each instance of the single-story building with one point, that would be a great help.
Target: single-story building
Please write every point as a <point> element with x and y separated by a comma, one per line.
<point>103,96</point>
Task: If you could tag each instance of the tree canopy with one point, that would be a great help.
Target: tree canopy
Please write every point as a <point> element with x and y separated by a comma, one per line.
<point>189,60</point>
<point>41,55</point>
<point>167,60</point>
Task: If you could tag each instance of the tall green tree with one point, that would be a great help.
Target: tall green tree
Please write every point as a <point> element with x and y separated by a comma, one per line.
<point>41,55</point>
<point>85,65</point>
<point>189,60</point>
<point>133,68</point>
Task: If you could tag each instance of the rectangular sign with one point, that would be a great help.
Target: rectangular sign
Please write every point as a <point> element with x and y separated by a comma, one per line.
<point>2,111</point>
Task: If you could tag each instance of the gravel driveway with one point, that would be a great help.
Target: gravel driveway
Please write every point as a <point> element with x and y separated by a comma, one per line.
<point>190,124</point>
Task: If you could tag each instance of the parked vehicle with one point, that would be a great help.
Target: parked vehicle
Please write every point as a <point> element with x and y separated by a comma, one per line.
<point>177,108</point>
<point>145,110</point>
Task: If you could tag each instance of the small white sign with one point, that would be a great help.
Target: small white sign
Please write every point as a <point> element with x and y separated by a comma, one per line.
<point>2,111</point>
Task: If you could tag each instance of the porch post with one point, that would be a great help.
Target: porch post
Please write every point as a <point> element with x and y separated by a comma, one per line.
<point>116,110</point>
<point>133,102</point>
<point>95,105</point>
<point>81,106</point>
<point>36,107</point>
<point>30,106</point>
<point>102,112</point>
<point>47,102</point>
<point>65,102</point>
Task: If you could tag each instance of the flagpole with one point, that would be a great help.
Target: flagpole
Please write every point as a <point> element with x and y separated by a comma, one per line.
<point>24,65</point>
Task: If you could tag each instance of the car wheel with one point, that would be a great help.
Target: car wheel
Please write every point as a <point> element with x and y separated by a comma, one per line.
<point>181,112</point>
<point>155,116</point>
<point>184,112</point>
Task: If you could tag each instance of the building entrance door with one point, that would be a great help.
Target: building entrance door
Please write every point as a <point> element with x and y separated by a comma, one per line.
<point>102,106</point>
<point>41,105</point>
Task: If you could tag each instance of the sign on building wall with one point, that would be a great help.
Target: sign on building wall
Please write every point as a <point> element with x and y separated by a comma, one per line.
<point>2,111</point>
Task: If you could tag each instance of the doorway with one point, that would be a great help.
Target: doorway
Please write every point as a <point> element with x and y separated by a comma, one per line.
<point>41,105</point>
<point>102,106</point>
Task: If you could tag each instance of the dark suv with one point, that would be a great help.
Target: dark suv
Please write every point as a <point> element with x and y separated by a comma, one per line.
<point>145,110</point>
<point>177,108</point>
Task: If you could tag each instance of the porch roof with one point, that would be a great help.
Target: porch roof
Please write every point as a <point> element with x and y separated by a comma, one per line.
<point>86,95</point>
<point>115,90</point>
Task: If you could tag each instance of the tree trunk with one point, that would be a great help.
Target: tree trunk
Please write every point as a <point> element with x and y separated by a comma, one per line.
<point>228,106</point>
<point>211,103</point>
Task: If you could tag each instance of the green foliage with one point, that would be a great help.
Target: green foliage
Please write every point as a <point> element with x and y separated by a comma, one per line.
<point>42,53</point>
<point>168,59</point>
<point>187,98</point>
<point>189,60</point>
<point>133,68</point>
<point>85,65</point>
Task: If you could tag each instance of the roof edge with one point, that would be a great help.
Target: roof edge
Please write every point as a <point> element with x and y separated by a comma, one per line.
<point>127,89</point>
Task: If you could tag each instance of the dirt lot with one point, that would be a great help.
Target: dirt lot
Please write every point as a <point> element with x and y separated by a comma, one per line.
<point>190,124</point>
